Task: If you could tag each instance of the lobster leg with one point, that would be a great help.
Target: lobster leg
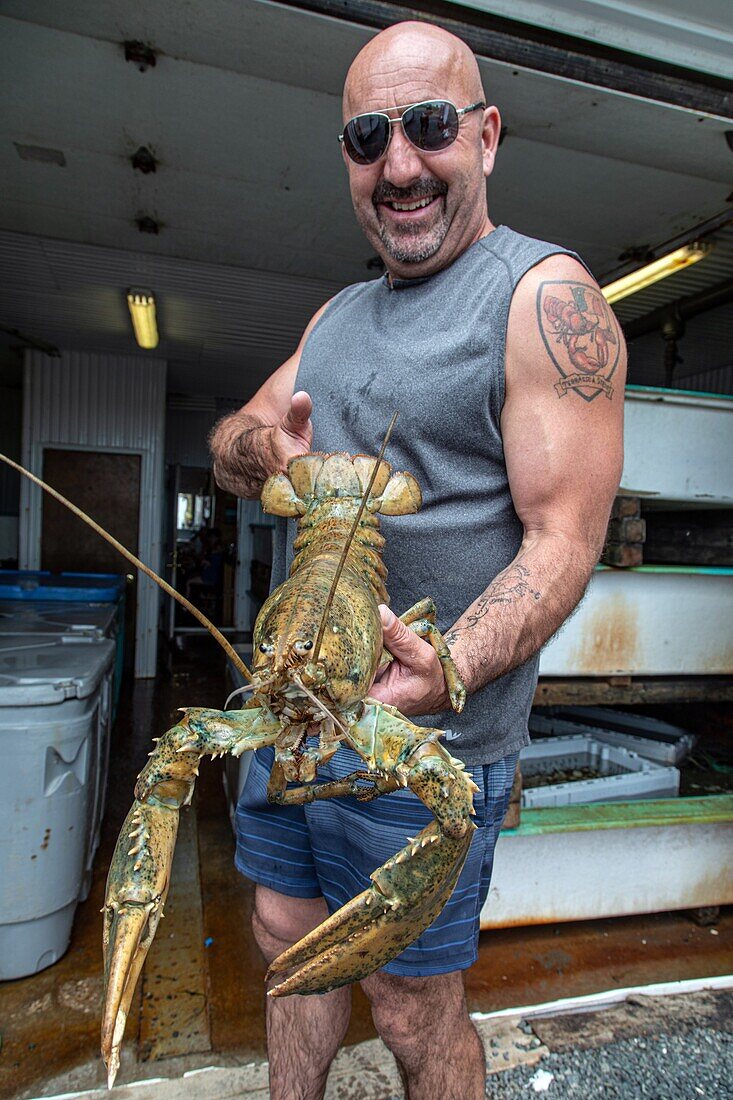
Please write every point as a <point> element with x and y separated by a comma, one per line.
<point>421,619</point>
<point>137,884</point>
<point>410,889</point>
<point>456,690</point>
<point>338,788</point>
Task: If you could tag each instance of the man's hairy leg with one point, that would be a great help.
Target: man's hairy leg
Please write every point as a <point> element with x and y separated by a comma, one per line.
<point>303,1033</point>
<point>425,1023</point>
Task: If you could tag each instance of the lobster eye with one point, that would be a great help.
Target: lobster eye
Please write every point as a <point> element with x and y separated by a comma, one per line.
<point>308,645</point>
<point>265,647</point>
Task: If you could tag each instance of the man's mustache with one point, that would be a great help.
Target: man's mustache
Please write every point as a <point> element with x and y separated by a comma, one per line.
<point>421,189</point>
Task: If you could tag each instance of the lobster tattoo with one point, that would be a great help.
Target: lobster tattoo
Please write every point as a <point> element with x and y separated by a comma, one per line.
<point>581,331</point>
<point>317,645</point>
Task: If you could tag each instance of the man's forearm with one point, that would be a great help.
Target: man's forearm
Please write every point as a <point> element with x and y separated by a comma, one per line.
<point>244,456</point>
<point>522,607</point>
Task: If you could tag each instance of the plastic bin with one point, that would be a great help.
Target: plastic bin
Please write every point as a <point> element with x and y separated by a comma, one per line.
<point>55,618</point>
<point>670,739</point>
<point>39,584</point>
<point>38,622</point>
<point>54,715</point>
<point>624,775</point>
<point>650,738</point>
<point>41,587</point>
<point>236,768</point>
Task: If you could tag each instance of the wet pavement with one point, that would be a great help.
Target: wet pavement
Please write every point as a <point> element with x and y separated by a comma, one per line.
<point>201,1000</point>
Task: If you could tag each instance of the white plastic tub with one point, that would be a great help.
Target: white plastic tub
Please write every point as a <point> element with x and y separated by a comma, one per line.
<point>54,714</point>
<point>38,622</point>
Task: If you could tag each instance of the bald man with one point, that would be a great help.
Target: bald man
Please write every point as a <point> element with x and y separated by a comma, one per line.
<point>507,368</point>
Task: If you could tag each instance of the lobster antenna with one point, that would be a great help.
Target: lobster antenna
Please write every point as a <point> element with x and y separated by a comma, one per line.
<point>213,630</point>
<point>350,538</point>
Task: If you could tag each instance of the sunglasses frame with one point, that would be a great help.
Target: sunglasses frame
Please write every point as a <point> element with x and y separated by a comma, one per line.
<point>460,112</point>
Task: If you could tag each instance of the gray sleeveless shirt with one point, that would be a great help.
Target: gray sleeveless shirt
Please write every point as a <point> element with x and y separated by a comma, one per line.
<point>433,349</point>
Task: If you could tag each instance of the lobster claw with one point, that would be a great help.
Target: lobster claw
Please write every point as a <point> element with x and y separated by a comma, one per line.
<point>411,888</point>
<point>137,886</point>
<point>405,896</point>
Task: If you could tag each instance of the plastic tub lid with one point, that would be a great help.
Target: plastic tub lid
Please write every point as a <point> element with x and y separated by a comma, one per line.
<point>24,617</point>
<point>28,584</point>
<point>40,671</point>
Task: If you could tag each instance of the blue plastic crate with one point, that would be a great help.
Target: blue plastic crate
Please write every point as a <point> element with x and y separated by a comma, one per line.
<point>29,584</point>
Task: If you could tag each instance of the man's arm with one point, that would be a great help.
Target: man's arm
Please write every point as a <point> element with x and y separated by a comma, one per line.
<point>562,429</point>
<point>260,438</point>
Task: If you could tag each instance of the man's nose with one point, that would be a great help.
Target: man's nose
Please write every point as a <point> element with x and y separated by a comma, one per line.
<point>402,163</point>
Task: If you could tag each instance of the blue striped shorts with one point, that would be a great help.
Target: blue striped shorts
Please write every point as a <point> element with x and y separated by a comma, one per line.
<point>330,848</point>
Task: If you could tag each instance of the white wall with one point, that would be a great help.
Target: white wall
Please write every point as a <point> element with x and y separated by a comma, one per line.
<point>100,403</point>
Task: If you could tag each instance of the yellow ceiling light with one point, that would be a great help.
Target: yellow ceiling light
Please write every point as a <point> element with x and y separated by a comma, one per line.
<point>141,304</point>
<point>657,269</point>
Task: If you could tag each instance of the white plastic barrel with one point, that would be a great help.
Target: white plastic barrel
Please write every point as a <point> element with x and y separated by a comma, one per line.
<point>54,719</point>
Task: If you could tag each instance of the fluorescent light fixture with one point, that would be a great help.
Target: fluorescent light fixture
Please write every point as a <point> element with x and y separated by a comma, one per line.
<point>657,269</point>
<point>141,304</point>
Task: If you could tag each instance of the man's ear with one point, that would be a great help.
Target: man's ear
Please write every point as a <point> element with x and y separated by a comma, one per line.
<point>490,134</point>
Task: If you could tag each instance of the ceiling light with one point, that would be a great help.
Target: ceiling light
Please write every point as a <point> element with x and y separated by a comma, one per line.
<point>657,269</point>
<point>141,304</point>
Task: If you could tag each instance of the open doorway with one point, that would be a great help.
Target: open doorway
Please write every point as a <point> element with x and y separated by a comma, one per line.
<point>202,542</point>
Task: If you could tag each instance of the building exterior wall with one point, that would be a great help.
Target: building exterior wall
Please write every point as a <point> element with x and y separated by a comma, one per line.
<point>99,402</point>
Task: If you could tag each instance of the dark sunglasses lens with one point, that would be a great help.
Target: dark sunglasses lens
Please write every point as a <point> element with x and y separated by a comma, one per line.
<point>431,126</point>
<point>366,138</point>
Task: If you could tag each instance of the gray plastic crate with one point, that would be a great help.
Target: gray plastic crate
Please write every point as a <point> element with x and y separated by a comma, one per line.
<point>624,721</point>
<point>624,775</point>
<point>54,710</point>
<point>639,734</point>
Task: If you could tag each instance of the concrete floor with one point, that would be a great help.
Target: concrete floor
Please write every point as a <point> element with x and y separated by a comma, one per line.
<point>201,999</point>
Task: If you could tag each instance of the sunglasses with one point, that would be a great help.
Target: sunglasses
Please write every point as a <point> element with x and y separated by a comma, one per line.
<point>429,126</point>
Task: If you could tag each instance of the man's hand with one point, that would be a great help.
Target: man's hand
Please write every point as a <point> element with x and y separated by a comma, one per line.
<point>293,434</point>
<point>413,682</point>
<point>247,448</point>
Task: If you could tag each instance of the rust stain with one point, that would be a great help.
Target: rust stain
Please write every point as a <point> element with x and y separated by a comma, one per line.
<point>609,639</point>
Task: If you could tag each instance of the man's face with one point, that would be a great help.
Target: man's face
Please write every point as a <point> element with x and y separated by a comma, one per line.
<point>420,210</point>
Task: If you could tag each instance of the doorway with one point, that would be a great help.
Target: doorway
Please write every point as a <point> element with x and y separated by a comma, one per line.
<point>106,486</point>
<point>203,542</point>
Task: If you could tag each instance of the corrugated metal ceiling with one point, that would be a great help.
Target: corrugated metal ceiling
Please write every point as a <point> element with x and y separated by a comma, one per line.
<point>229,324</point>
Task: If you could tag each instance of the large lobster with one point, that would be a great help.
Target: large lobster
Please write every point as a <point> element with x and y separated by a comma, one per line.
<point>317,645</point>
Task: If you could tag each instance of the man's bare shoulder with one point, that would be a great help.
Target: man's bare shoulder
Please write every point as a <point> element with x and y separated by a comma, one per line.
<point>562,330</point>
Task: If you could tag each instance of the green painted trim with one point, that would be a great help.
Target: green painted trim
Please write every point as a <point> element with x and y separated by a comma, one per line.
<point>708,810</point>
<point>631,388</point>
<point>696,570</point>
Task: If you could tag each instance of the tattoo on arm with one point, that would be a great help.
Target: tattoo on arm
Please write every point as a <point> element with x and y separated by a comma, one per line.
<point>581,335</point>
<point>509,587</point>
<point>243,454</point>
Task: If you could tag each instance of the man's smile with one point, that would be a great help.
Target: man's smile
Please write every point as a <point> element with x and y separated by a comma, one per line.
<point>410,209</point>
